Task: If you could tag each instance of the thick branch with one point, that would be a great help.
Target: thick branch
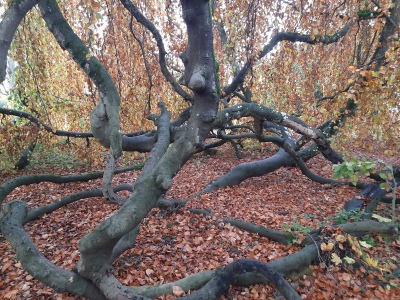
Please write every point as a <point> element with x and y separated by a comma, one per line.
<point>251,169</point>
<point>7,187</point>
<point>34,262</point>
<point>9,24</point>
<point>97,246</point>
<point>371,226</point>
<point>105,116</point>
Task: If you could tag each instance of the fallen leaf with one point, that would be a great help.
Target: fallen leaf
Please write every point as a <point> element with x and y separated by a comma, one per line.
<point>177,291</point>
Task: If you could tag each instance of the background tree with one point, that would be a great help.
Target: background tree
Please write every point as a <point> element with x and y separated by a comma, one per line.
<point>296,74</point>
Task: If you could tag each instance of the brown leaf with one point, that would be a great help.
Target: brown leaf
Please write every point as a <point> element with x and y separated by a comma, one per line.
<point>177,291</point>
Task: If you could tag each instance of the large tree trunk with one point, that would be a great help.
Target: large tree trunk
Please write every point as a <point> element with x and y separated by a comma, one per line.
<point>98,246</point>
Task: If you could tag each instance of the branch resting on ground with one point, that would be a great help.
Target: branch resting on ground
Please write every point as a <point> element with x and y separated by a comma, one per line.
<point>34,262</point>
<point>7,187</point>
<point>274,235</point>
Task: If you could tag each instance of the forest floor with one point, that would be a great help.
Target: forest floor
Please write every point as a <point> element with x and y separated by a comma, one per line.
<point>172,245</point>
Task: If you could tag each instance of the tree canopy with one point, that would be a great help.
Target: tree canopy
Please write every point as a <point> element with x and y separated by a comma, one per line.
<point>111,81</point>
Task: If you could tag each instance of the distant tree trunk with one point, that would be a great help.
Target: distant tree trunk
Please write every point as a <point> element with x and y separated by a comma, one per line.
<point>23,161</point>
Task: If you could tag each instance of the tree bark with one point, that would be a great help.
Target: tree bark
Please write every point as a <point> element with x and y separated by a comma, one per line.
<point>105,116</point>
<point>97,246</point>
<point>34,262</point>
<point>7,187</point>
<point>9,24</point>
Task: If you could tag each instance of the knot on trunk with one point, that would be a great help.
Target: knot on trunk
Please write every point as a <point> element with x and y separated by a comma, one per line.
<point>197,81</point>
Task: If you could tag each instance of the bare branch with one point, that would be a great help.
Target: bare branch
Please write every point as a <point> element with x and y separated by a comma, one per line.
<point>132,9</point>
<point>34,262</point>
<point>17,113</point>
<point>290,37</point>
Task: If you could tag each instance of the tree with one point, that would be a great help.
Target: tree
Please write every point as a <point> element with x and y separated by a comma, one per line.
<point>229,75</point>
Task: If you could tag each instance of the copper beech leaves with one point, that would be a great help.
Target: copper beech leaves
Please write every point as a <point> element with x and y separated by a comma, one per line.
<point>295,78</point>
<point>173,246</point>
<point>314,82</point>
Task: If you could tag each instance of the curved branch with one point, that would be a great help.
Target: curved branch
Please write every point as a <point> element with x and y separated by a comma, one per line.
<point>36,121</point>
<point>105,116</point>
<point>146,62</point>
<point>47,209</point>
<point>34,262</point>
<point>163,140</point>
<point>274,235</point>
<point>303,167</point>
<point>9,24</point>
<point>229,274</point>
<point>290,37</point>
<point>132,9</point>
<point>7,187</point>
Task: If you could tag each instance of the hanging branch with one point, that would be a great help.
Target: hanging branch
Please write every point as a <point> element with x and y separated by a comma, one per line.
<point>132,9</point>
<point>290,37</point>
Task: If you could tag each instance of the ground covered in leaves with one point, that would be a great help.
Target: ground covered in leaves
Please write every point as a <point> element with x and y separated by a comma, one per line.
<point>172,245</point>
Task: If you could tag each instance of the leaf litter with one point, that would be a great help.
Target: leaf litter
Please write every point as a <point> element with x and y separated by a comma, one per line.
<point>172,245</point>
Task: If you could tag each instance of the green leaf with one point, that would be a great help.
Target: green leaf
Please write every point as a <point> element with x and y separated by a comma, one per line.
<point>349,260</point>
<point>369,165</point>
<point>349,165</point>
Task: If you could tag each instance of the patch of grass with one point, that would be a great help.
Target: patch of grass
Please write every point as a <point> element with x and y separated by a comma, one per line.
<point>54,159</point>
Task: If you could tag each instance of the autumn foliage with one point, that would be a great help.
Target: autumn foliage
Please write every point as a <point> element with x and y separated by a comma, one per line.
<point>237,114</point>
